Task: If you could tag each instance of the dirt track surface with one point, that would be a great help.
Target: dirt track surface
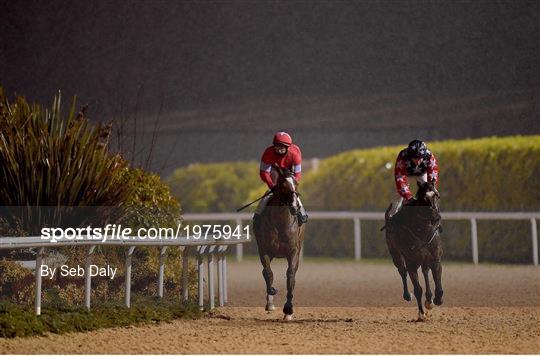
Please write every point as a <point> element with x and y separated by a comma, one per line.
<point>314,330</point>
<point>365,284</point>
<point>339,308</point>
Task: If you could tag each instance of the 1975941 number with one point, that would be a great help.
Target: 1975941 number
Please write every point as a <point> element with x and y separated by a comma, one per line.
<point>216,232</point>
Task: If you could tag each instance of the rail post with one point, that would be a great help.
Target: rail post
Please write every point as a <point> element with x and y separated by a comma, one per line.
<point>129,253</point>
<point>39,262</point>
<point>88,277</point>
<point>185,274</point>
<point>220,275</point>
<point>239,247</point>
<point>474,241</point>
<point>162,251</point>
<point>357,240</point>
<point>211,281</point>
<point>200,276</point>
<point>224,270</point>
<point>534,236</point>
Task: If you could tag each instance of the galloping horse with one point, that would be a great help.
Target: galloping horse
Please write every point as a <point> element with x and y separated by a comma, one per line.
<point>413,240</point>
<point>279,235</point>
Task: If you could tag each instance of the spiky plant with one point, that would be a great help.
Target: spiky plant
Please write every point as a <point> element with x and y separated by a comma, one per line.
<point>53,159</point>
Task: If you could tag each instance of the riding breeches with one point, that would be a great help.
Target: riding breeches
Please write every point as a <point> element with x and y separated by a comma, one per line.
<point>398,199</point>
<point>262,204</point>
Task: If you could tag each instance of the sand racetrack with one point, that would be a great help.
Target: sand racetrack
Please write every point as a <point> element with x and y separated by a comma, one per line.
<point>340,307</point>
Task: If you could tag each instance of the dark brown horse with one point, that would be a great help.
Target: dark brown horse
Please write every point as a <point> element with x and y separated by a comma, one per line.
<point>279,235</point>
<point>413,239</point>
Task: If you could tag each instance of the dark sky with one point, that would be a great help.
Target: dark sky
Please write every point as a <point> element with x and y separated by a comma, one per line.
<point>126,56</point>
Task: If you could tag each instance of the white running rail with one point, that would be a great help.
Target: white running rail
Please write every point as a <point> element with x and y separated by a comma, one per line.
<point>213,249</point>
<point>358,216</point>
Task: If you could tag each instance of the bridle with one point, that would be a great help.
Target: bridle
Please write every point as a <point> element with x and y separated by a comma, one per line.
<point>292,209</point>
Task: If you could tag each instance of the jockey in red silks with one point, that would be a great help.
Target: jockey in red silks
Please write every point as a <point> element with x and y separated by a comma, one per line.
<point>286,155</point>
<point>414,162</point>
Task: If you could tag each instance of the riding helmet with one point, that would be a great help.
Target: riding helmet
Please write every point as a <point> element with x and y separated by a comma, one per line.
<point>416,149</point>
<point>282,138</point>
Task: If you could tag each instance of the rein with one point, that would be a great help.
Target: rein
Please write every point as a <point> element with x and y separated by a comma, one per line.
<point>256,200</point>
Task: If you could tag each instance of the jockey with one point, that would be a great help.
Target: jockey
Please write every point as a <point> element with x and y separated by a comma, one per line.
<point>286,155</point>
<point>414,162</point>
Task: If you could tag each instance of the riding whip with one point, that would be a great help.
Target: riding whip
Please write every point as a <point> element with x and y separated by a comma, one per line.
<point>245,206</point>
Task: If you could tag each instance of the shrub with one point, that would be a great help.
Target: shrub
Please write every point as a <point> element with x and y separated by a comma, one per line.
<point>48,158</point>
<point>51,163</point>
<point>17,321</point>
<point>215,187</point>
<point>490,174</point>
<point>149,202</point>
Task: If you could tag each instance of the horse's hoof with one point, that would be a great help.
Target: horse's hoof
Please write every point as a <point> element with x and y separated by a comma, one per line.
<point>438,297</point>
<point>428,304</point>
<point>421,317</point>
<point>287,317</point>
<point>270,307</point>
<point>407,296</point>
<point>271,291</point>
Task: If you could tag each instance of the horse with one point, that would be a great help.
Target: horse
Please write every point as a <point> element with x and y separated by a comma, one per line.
<point>280,236</point>
<point>413,240</point>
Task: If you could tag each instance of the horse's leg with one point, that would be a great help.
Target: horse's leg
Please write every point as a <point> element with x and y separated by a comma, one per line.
<point>400,265</point>
<point>429,295</point>
<point>436,270</point>
<point>291,274</point>
<point>269,279</point>
<point>413,273</point>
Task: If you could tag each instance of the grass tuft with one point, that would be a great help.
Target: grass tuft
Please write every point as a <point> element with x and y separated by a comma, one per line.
<point>19,321</point>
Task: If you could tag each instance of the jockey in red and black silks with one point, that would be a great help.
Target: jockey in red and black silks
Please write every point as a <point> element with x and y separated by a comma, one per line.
<point>285,154</point>
<point>414,162</point>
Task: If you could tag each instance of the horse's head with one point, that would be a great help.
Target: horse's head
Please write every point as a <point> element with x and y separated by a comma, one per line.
<point>286,185</point>
<point>428,195</point>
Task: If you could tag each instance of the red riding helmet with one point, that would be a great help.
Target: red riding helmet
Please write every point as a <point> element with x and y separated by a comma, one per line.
<point>283,138</point>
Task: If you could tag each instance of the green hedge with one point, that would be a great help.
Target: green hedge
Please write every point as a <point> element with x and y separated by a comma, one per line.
<point>490,174</point>
<point>215,187</point>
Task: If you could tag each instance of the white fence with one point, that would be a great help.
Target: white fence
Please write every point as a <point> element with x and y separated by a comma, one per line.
<point>213,249</point>
<point>358,216</point>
